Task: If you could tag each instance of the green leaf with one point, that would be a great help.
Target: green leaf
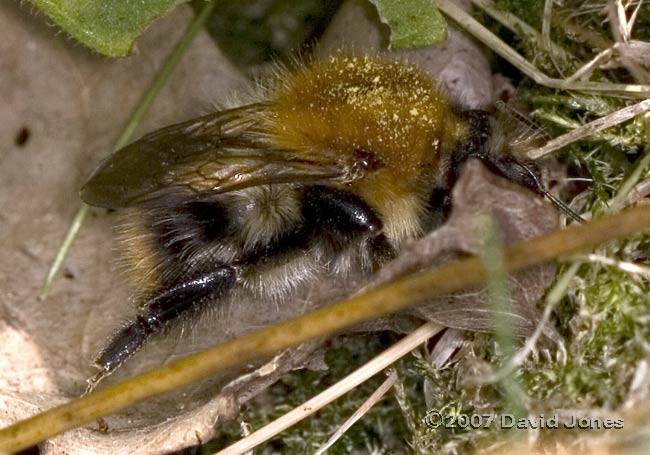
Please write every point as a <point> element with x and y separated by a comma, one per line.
<point>413,23</point>
<point>108,27</point>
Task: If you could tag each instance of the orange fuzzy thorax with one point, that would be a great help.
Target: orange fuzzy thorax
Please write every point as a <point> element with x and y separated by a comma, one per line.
<point>393,111</point>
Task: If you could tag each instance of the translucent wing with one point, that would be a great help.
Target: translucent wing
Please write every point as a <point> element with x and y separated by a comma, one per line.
<point>217,153</point>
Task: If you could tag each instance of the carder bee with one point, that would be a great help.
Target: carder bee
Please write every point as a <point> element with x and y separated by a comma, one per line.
<point>331,170</point>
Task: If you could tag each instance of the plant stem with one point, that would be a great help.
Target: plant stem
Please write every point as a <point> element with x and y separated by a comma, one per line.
<point>134,120</point>
<point>383,300</point>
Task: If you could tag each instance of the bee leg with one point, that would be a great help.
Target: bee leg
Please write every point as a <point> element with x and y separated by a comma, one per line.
<point>161,309</point>
<point>343,217</point>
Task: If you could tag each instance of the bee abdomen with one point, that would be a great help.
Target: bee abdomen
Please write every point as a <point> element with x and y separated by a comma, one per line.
<point>187,226</point>
<point>329,222</point>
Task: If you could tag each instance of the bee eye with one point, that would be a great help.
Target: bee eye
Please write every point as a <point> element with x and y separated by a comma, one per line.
<point>365,160</point>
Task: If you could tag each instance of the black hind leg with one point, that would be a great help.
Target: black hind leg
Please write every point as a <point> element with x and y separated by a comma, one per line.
<point>161,309</point>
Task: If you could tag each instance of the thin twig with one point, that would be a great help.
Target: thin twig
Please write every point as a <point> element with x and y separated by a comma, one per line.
<point>624,266</point>
<point>132,123</point>
<point>546,33</point>
<point>516,25</point>
<point>383,360</point>
<point>481,33</point>
<point>640,191</point>
<point>630,22</point>
<point>631,181</point>
<point>588,67</point>
<point>359,413</point>
<point>590,128</point>
<point>411,291</point>
<point>622,33</point>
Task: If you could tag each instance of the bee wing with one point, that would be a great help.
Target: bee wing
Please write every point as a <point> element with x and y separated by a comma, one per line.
<point>217,153</point>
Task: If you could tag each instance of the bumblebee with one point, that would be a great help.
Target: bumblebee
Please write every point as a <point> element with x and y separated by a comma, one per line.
<point>331,170</point>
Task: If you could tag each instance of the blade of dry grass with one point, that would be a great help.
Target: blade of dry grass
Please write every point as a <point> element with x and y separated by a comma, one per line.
<point>486,37</point>
<point>362,374</point>
<point>380,301</point>
<point>590,128</point>
<point>359,413</point>
<point>518,26</point>
<point>132,123</point>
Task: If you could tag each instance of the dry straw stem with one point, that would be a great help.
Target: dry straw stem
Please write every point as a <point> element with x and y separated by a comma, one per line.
<point>516,25</point>
<point>383,300</point>
<point>486,37</point>
<point>639,270</point>
<point>360,375</point>
<point>590,128</point>
<point>372,400</point>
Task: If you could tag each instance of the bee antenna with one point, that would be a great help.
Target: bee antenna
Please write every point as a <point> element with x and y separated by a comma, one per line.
<point>555,200</point>
<point>563,207</point>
